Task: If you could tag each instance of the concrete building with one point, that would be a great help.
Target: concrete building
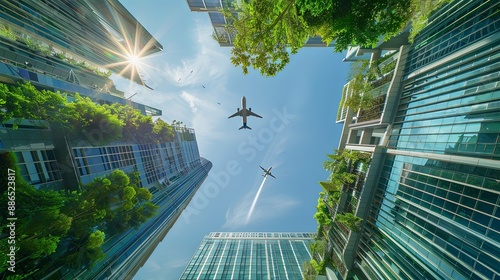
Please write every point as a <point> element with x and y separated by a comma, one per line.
<point>250,255</point>
<point>430,197</point>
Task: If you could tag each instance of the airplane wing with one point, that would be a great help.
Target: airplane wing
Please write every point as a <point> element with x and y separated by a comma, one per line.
<point>250,113</point>
<point>263,168</point>
<point>239,113</point>
<point>271,175</point>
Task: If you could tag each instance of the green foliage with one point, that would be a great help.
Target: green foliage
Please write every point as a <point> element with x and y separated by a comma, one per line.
<point>32,44</point>
<point>341,163</point>
<point>329,186</point>
<point>309,273</point>
<point>359,84</point>
<point>356,22</point>
<point>265,29</point>
<point>349,220</point>
<point>140,128</point>
<point>322,216</point>
<point>333,198</point>
<point>93,121</point>
<point>7,32</point>
<point>319,247</point>
<point>81,118</point>
<point>318,267</point>
<point>95,240</point>
<point>43,222</point>
<point>121,204</point>
<point>24,101</point>
<point>421,11</point>
<point>112,203</point>
<point>37,46</point>
<point>162,131</point>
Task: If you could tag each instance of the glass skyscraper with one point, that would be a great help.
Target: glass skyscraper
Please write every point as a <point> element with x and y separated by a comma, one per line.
<point>430,198</point>
<point>74,46</point>
<point>250,255</point>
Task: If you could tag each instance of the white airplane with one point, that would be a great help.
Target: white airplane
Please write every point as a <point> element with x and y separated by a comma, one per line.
<point>244,113</point>
<point>267,172</point>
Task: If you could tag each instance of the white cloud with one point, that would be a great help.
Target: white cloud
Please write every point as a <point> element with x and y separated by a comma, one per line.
<point>208,65</point>
<point>192,100</point>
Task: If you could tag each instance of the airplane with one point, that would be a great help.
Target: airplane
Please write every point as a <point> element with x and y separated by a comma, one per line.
<point>267,172</point>
<point>244,113</point>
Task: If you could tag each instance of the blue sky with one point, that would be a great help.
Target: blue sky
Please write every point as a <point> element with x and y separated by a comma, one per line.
<point>298,128</point>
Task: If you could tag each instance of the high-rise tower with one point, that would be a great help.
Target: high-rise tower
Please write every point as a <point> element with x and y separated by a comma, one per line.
<point>429,199</point>
<point>74,47</point>
<point>250,255</point>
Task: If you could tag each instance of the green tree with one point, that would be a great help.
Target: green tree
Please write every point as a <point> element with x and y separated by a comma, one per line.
<point>43,222</point>
<point>95,240</point>
<point>119,203</point>
<point>265,29</point>
<point>24,101</point>
<point>87,253</point>
<point>140,128</point>
<point>162,131</point>
<point>92,121</point>
<point>355,22</point>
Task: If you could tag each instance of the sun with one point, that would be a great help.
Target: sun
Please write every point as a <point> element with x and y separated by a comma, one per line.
<point>133,59</point>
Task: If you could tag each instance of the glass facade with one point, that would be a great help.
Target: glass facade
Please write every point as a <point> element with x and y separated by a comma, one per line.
<point>68,46</point>
<point>126,251</point>
<point>250,255</point>
<point>435,211</point>
<point>430,202</point>
<point>172,171</point>
<point>92,30</point>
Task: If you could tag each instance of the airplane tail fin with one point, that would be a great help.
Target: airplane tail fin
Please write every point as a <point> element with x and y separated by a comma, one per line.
<point>245,126</point>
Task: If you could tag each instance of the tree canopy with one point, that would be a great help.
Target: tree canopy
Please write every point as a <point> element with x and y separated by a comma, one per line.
<point>81,118</point>
<point>86,117</point>
<point>75,223</point>
<point>267,31</point>
<point>24,101</point>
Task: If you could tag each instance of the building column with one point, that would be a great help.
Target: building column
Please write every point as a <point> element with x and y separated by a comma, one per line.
<point>366,136</point>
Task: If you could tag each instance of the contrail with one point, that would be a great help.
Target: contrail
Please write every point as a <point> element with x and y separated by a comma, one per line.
<point>255,199</point>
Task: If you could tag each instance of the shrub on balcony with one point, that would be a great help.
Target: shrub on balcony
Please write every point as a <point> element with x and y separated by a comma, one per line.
<point>349,220</point>
<point>323,218</point>
<point>7,32</point>
<point>309,273</point>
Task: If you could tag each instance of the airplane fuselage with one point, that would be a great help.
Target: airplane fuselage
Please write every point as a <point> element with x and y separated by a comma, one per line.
<point>267,172</point>
<point>244,109</point>
<point>244,113</point>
